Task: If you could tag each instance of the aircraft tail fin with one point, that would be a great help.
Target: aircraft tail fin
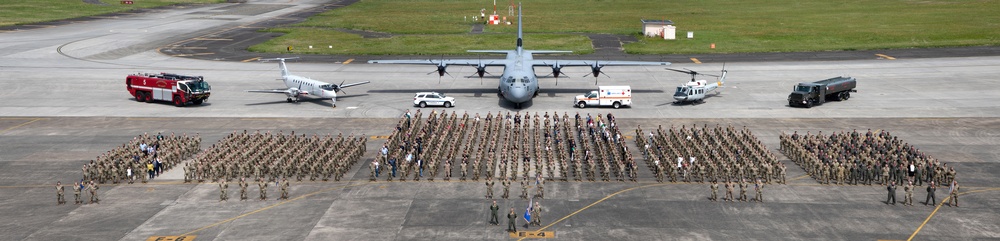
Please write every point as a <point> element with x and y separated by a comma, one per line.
<point>520,33</point>
<point>281,64</point>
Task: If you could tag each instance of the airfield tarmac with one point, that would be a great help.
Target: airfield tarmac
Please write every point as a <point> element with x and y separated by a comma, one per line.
<point>64,103</point>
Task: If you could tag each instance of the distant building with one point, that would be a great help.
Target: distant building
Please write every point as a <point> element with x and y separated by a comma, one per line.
<point>655,28</point>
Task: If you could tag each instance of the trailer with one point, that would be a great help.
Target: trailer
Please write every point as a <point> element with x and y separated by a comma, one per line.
<point>816,93</point>
<point>174,88</point>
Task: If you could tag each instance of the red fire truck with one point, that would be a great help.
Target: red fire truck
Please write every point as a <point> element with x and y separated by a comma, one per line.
<point>174,88</point>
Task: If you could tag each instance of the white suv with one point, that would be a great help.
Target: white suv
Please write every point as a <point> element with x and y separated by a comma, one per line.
<point>423,99</point>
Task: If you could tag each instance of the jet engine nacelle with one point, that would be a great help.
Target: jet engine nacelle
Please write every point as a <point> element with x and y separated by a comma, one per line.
<point>481,70</point>
<point>596,70</point>
<point>442,69</point>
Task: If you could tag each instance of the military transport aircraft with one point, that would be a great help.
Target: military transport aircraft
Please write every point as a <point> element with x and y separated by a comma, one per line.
<point>518,83</point>
<point>299,86</point>
<point>697,90</point>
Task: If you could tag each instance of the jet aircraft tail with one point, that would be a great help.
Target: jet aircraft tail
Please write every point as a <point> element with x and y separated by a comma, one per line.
<point>520,33</point>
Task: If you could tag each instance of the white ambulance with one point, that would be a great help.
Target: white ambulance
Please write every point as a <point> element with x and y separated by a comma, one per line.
<point>614,96</point>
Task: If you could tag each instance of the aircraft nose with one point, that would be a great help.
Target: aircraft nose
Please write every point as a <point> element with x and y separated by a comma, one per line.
<point>518,95</point>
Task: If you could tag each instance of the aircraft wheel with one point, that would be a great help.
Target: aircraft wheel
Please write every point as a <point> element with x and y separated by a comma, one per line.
<point>581,105</point>
<point>423,104</point>
<point>289,100</point>
<point>447,104</point>
<point>616,105</point>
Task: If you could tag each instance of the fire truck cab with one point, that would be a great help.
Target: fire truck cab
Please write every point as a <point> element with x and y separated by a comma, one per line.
<point>177,89</point>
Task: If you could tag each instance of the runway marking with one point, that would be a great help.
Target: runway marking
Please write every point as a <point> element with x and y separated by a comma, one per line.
<point>348,61</point>
<point>591,205</point>
<point>885,56</point>
<point>250,59</point>
<point>194,54</point>
<point>213,39</point>
<point>695,60</point>
<point>22,124</point>
<point>533,234</point>
<point>271,206</point>
<point>948,197</point>
<point>171,238</point>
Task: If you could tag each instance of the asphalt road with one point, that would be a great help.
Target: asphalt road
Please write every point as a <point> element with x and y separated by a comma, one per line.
<point>64,103</point>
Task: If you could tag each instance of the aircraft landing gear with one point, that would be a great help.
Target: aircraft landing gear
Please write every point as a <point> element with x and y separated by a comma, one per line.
<point>289,100</point>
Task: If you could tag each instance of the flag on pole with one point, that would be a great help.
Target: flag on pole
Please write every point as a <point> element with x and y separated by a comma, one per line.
<point>527,211</point>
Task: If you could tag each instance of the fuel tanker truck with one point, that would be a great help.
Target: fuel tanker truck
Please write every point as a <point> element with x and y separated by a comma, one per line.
<point>816,93</point>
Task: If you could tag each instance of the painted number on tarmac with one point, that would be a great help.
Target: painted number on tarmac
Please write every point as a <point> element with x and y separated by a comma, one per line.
<point>533,234</point>
<point>171,238</point>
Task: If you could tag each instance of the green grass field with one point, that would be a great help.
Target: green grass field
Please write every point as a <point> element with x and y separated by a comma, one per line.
<point>435,27</point>
<point>18,12</point>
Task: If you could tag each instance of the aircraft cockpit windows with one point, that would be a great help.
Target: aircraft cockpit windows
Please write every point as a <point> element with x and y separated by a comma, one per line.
<point>524,79</point>
<point>326,87</point>
<point>510,80</point>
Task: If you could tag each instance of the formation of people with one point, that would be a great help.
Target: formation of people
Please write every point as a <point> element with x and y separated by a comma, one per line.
<point>706,154</point>
<point>507,147</point>
<point>142,158</point>
<point>275,156</point>
<point>856,158</point>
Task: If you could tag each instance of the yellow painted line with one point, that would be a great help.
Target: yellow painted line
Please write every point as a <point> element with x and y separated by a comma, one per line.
<point>272,206</point>
<point>22,124</point>
<point>380,137</point>
<point>695,60</point>
<point>195,54</point>
<point>885,56</point>
<point>798,177</point>
<point>929,217</point>
<point>250,59</point>
<point>943,201</point>
<point>348,61</point>
<point>213,39</point>
<point>592,204</point>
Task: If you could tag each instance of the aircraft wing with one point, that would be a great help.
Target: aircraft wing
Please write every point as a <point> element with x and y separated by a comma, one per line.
<point>564,62</point>
<point>465,62</point>
<point>353,84</point>
<point>278,91</point>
